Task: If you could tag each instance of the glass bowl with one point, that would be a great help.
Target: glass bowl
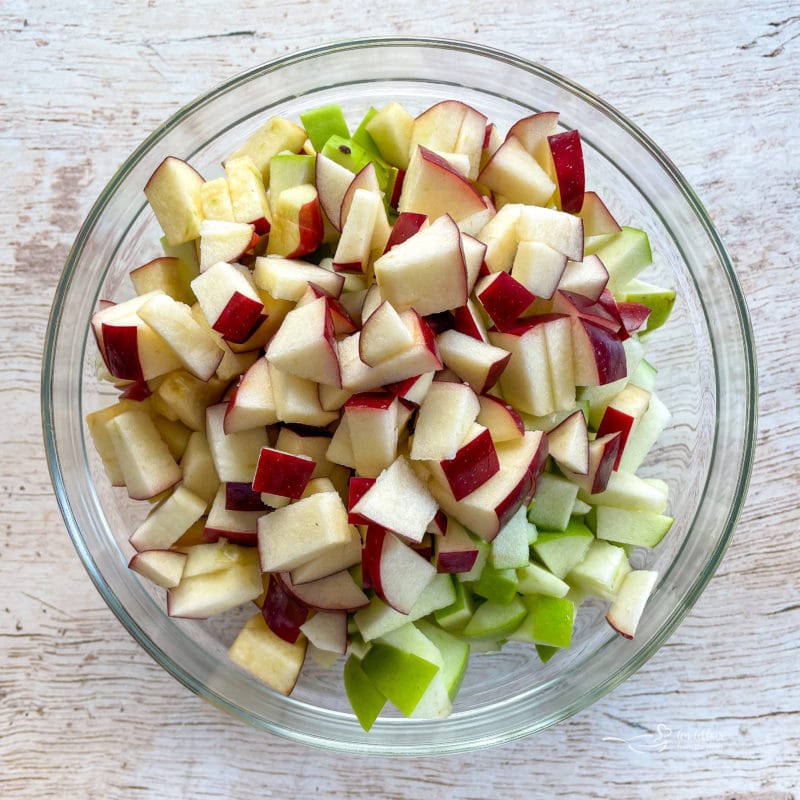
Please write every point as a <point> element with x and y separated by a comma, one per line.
<point>705,356</point>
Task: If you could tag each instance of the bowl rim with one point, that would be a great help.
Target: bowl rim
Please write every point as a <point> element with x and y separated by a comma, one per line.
<point>745,465</point>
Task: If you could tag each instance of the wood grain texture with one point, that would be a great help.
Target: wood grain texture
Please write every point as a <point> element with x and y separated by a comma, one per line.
<point>85,713</point>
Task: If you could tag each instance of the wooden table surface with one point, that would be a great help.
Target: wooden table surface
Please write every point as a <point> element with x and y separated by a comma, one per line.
<point>84,713</point>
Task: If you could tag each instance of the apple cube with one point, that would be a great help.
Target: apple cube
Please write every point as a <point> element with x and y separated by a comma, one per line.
<point>229,301</point>
<point>399,502</point>
<point>474,463</point>
<point>248,193</point>
<point>502,420</point>
<point>276,135</point>
<point>297,400</point>
<point>628,606</point>
<point>166,523</point>
<point>302,531</point>
<point>383,335</point>
<point>147,466</point>
<point>173,322</point>
<point>271,659</point>
<point>287,279</point>
<point>561,231</point>
<point>173,192</point>
<point>431,185</point>
<point>515,174</point>
<point>282,473</point>
<point>162,567</point>
<point>445,416</point>
<point>427,271</point>
<point>297,226</point>
<point>539,268</point>
<point>372,420</point>
<point>235,455</point>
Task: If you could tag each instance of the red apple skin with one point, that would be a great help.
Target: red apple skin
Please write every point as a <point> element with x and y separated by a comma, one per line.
<point>240,318</point>
<point>357,488</point>
<point>464,322</point>
<point>453,561</point>
<point>406,225</point>
<point>241,497</point>
<point>472,465</point>
<point>531,129</point>
<point>523,492</point>
<point>611,450</point>
<point>616,421</point>
<point>283,613</point>
<point>568,162</point>
<point>121,352</point>
<point>379,401</point>
<point>261,226</point>
<point>607,350</point>
<point>440,322</point>
<point>594,311</point>
<point>371,558</point>
<point>634,315</point>
<point>505,300</point>
<point>397,189</point>
<point>282,473</point>
<point>438,524</point>
<point>138,391</point>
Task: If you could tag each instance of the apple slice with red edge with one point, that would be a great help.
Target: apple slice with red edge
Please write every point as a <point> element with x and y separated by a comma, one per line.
<point>372,420</point>
<point>568,443</point>
<point>502,420</point>
<point>284,474</point>
<point>297,226</point>
<point>597,219</point>
<point>456,551</point>
<point>222,240</point>
<point>478,363</point>
<point>503,298</point>
<point>336,592</point>
<point>623,414</point>
<point>588,277</point>
<point>603,453</point>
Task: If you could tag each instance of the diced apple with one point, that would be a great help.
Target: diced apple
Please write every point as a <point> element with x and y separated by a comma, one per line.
<point>478,363</point>
<point>568,443</point>
<point>235,455</point>
<point>287,279</point>
<point>248,193</point>
<point>431,185</point>
<point>372,420</point>
<point>162,567</point>
<point>628,606</point>
<point>515,174</point>
<point>445,416</point>
<point>427,271</point>
<point>222,240</point>
<point>275,136</point>
<point>502,420</point>
<point>297,227</point>
<point>561,231</point>
<point>173,192</point>
<point>398,501</point>
<point>302,531</point>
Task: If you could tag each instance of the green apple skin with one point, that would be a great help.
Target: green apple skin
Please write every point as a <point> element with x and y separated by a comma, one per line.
<point>367,702</point>
<point>323,122</point>
<point>455,655</point>
<point>625,255</point>
<point>600,574</point>
<point>401,677</point>
<point>497,585</point>
<point>496,620</point>
<point>549,621</point>
<point>660,301</point>
<point>353,156</point>
<point>562,550</point>
<point>640,528</point>
<point>534,579</point>
<point>545,652</point>
<point>288,170</point>
<point>552,504</point>
<point>361,135</point>
<point>455,616</point>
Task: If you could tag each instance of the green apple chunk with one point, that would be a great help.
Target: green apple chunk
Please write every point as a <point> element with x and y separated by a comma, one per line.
<point>455,655</point>
<point>510,546</point>
<point>366,700</point>
<point>627,490</point>
<point>602,571</point>
<point>363,137</point>
<point>549,621</point>
<point>625,255</point>
<point>660,301</point>
<point>534,579</point>
<point>323,122</point>
<point>378,618</point>
<point>353,156</point>
<point>552,504</point>
<point>495,620</point>
<point>645,434</point>
<point>497,585</point>
<point>560,551</point>
<point>455,616</point>
<point>640,528</point>
<point>400,676</point>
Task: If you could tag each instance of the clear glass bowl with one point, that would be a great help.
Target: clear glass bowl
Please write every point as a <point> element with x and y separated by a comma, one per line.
<point>705,356</point>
